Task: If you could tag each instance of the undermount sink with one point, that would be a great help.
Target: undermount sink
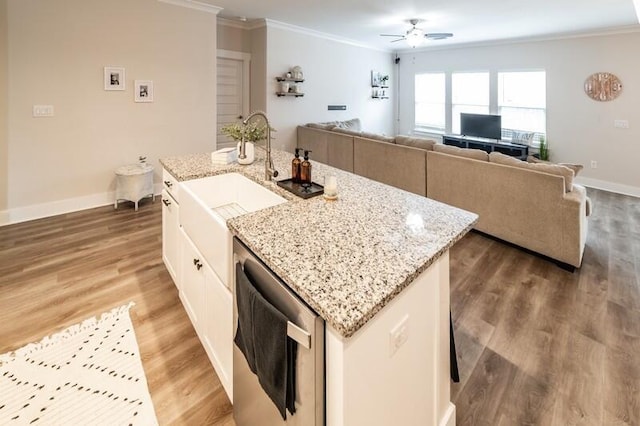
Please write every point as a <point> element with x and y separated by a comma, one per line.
<point>205,206</point>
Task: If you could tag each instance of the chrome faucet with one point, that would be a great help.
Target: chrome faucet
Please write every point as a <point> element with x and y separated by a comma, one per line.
<point>269,171</point>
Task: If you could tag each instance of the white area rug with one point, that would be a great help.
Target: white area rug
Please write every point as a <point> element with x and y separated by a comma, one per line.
<point>88,374</point>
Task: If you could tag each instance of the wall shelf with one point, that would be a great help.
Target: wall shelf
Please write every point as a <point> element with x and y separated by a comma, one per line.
<point>296,94</point>
<point>294,80</point>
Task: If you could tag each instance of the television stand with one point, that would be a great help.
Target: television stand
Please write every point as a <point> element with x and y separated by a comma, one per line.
<point>487,145</point>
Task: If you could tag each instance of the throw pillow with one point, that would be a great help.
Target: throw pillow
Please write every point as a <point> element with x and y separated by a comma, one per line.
<point>353,124</point>
<point>575,167</point>
<point>474,154</point>
<point>323,126</point>
<point>426,144</point>
<point>524,138</point>
<point>554,169</point>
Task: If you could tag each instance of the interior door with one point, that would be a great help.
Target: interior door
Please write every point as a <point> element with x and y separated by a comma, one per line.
<point>231,106</point>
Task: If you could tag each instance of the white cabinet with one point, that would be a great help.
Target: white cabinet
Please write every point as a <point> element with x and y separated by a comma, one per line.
<point>171,226</point>
<point>170,229</point>
<point>209,306</point>
<point>218,328</point>
<point>192,290</point>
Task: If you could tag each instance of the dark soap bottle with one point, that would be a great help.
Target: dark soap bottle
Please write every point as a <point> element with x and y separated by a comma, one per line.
<point>305,169</point>
<point>295,167</point>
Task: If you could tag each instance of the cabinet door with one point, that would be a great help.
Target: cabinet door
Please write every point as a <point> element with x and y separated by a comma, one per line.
<point>218,335</point>
<point>192,291</point>
<point>170,229</point>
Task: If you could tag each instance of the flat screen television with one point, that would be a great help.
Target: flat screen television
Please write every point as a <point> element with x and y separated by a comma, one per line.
<point>481,125</point>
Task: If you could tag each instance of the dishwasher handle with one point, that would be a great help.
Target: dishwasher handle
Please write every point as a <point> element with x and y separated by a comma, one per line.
<point>299,335</point>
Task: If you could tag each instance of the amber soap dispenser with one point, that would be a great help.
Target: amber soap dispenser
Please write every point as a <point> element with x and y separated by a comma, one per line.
<point>295,167</point>
<point>305,169</point>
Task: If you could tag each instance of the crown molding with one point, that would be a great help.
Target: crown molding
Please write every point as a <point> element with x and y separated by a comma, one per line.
<point>243,25</point>
<point>629,29</point>
<point>270,23</point>
<point>196,5</point>
<point>226,22</point>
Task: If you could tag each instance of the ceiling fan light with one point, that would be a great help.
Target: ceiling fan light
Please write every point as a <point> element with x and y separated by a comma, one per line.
<point>414,37</point>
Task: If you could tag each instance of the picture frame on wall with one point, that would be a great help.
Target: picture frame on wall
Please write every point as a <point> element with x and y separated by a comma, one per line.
<point>376,78</point>
<point>143,91</point>
<point>114,78</point>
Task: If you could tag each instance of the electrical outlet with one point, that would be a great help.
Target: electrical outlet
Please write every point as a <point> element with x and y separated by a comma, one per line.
<point>398,335</point>
<point>594,164</point>
<point>621,124</point>
<point>43,111</point>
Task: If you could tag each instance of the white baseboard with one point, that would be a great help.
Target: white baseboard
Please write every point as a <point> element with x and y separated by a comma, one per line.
<point>618,188</point>
<point>4,217</point>
<point>449,418</point>
<point>53,208</point>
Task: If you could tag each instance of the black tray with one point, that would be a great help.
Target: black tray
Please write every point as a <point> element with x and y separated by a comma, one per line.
<point>299,190</point>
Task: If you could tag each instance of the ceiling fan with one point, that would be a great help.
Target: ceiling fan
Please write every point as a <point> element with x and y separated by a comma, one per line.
<point>415,36</point>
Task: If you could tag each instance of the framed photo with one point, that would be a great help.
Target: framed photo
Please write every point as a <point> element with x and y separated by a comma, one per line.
<point>114,78</point>
<point>375,78</point>
<point>143,91</point>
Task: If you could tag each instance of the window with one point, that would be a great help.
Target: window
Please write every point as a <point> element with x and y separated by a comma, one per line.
<point>522,102</point>
<point>430,101</point>
<point>469,93</point>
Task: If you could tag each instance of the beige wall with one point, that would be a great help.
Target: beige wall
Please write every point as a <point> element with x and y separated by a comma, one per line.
<point>4,162</point>
<point>57,51</point>
<point>258,40</point>
<point>233,38</point>
<point>579,129</point>
<point>335,73</point>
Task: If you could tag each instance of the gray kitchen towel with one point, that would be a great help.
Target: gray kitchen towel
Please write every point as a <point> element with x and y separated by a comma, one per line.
<point>262,338</point>
<point>273,354</point>
<point>244,299</point>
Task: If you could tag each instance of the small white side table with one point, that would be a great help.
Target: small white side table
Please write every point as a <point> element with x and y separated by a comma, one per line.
<point>133,183</point>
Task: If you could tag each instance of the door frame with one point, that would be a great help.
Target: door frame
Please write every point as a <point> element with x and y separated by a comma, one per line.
<point>246,80</point>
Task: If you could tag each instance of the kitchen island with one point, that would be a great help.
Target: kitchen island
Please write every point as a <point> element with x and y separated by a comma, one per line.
<point>374,265</point>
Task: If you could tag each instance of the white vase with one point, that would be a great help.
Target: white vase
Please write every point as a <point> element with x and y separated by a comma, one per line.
<point>249,152</point>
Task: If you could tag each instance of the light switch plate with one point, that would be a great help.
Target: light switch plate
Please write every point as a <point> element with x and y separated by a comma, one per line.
<point>621,124</point>
<point>43,111</point>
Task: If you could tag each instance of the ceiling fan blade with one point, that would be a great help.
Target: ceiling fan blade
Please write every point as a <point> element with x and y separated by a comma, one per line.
<point>391,35</point>
<point>400,39</point>
<point>437,36</point>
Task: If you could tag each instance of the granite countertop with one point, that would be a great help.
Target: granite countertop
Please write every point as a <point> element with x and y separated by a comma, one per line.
<point>346,258</point>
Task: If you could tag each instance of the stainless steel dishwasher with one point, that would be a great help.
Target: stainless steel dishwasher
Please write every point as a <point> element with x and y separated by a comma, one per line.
<point>251,405</point>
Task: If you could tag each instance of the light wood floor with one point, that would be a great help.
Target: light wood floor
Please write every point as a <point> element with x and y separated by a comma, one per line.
<point>536,344</point>
<point>58,271</point>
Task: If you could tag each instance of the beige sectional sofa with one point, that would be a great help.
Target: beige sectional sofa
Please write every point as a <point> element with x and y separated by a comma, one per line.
<point>533,206</point>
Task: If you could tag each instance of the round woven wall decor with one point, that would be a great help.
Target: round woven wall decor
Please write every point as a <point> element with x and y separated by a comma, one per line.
<point>602,86</point>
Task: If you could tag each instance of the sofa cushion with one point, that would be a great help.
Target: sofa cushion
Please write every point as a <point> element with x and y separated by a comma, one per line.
<point>353,124</point>
<point>378,137</point>
<point>554,169</point>
<point>426,144</point>
<point>350,132</point>
<point>575,167</point>
<point>475,154</point>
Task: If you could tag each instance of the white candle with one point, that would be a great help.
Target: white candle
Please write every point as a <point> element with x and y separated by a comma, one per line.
<point>331,185</point>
